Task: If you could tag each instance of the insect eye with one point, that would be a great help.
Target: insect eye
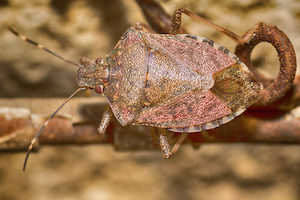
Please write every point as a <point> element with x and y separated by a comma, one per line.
<point>99,61</point>
<point>99,89</point>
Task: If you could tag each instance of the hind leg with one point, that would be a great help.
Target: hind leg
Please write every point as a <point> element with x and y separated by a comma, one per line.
<point>176,23</point>
<point>165,145</point>
<point>178,143</point>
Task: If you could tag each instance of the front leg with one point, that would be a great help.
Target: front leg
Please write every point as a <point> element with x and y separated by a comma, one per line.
<point>107,115</point>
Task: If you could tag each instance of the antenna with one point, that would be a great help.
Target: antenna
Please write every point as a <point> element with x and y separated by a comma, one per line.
<point>34,139</point>
<point>42,47</point>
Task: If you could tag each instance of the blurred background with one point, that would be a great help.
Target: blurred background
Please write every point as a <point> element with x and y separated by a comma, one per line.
<point>92,28</point>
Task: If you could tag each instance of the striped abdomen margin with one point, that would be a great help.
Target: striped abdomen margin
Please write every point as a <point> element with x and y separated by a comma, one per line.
<point>208,125</point>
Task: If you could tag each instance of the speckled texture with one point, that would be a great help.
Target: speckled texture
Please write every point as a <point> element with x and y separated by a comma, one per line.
<point>192,108</point>
<point>195,55</point>
<point>237,89</point>
<point>128,68</point>
<point>164,80</point>
<point>92,28</point>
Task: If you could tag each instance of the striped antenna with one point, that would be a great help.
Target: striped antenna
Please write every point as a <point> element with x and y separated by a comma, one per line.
<point>42,47</point>
<point>34,139</point>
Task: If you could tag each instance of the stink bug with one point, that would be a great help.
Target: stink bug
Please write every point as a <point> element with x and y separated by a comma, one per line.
<point>180,82</point>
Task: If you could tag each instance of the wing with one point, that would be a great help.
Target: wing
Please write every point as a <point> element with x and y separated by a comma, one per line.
<point>196,106</point>
<point>237,87</point>
<point>199,54</point>
<point>192,108</point>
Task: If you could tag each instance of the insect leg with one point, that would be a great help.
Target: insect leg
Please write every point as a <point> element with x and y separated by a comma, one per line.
<point>156,16</point>
<point>176,22</point>
<point>164,143</point>
<point>178,143</point>
<point>105,121</point>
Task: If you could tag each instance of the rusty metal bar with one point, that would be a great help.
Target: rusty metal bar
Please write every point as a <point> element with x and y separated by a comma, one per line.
<point>77,124</point>
<point>277,88</point>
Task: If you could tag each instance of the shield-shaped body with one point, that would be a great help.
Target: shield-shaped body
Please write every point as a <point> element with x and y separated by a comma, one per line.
<point>183,82</point>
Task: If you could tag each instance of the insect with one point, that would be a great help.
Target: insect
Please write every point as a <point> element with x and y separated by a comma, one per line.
<point>177,82</point>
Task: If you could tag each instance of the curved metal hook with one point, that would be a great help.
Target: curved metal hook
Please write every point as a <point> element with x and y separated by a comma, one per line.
<point>262,32</point>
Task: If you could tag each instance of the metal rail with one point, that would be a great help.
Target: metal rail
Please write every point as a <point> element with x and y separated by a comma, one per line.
<point>77,124</point>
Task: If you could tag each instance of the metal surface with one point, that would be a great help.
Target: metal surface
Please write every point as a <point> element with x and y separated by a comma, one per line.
<point>286,54</point>
<point>78,125</point>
